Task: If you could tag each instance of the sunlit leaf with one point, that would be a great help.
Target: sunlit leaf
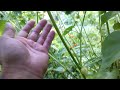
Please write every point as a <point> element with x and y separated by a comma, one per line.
<point>67,30</point>
<point>108,15</point>
<point>2,26</point>
<point>111,49</point>
<point>116,26</point>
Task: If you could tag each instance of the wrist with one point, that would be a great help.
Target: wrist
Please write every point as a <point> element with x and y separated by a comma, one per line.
<point>19,73</point>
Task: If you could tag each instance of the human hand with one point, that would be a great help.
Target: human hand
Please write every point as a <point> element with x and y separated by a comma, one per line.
<point>25,55</point>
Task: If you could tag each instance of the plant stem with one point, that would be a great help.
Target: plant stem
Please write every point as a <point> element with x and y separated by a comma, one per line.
<point>100,28</point>
<point>60,64</point>
<point>83,38</point>
<point>89,40</point>
<point>68,41</point>
<point>108,30</point>
<point>54,24</point>
<point>80,33</point>
<point>66,38</point>
<point>72,39</point>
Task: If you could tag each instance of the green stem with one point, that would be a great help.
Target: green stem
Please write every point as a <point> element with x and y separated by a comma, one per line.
<point>72,39</point>
<point>60,64</point>
<point>90,43</point>
<point>83,38</point>
<point>89,40</point>
<point>80,61</point>
<point>108,30</point>
<point>86,35</point>
<point>54,24</point>
<point>68,41</point>
<point>100,28</point>
<point>80,33</point>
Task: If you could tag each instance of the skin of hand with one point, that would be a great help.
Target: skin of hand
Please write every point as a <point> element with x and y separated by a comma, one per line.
<point>25,55</point>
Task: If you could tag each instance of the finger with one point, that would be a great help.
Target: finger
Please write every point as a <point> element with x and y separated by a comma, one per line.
<point>49,40</point>
<point>34,35</point>
<point>39,47</point>
<point>9,30</point>
<point>44,34</point>
<point>26,29</point>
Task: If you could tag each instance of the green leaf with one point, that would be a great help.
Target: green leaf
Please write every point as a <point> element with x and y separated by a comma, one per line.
<point>67,30</point>
<point>108,75</point>
<point>2,26</point>
<point>110,49</point>
<point>116,26</point>
<point>108,15</point>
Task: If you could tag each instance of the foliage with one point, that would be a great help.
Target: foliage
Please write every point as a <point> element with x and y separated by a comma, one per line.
<point>86,44</point>
<point>2,26</point>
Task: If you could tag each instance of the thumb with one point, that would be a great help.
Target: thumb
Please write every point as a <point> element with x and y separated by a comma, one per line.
<point>9,30</point>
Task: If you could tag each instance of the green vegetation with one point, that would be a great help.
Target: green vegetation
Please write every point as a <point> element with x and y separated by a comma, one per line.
<point>86,45</point>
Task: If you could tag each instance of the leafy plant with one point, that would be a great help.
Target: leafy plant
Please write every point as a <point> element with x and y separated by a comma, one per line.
<point>2,26</point>
<point>86,43</point>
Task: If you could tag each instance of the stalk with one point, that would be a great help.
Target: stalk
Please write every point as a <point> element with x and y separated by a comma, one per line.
<point>68,41</point>
<point>66,46</point>
<point>60,64</point>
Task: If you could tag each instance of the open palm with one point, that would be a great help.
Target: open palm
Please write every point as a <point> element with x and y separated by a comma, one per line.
<point>27,51</point>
